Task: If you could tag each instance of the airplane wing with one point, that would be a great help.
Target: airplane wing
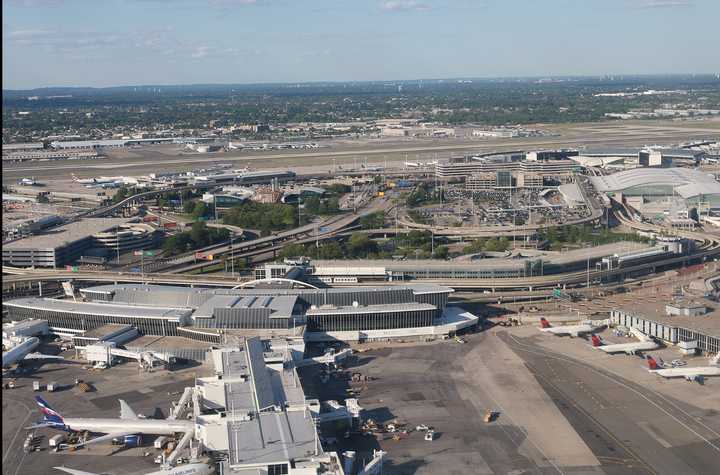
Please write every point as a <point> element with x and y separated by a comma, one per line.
<point>126,411</point>
<point>72,471</point>
<point>103,438</point>
<point>40,356</point>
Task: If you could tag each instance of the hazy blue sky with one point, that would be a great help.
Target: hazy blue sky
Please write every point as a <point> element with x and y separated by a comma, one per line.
<point>125,42</point>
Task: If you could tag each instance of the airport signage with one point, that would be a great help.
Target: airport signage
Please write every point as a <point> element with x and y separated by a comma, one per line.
<point>144,253</point>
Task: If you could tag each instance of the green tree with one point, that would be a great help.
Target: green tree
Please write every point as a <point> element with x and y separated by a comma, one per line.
<point>441,252</point>
<point>188,207</point>
<point>121,194</point>
<point>292,250</point>
<point>372,221</point>
<point>360,245</point>
<point>330,250</point>
<point>200,209</point>
<point>199,234</point>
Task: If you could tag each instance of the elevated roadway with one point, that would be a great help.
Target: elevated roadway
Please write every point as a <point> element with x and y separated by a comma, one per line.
<point>708,248</point>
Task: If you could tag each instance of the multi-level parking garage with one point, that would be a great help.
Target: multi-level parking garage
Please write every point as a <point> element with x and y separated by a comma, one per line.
<point>607,257</point>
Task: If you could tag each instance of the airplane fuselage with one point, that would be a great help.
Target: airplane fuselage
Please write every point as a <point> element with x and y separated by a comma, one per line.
<point>572,330</point>
<point>629,347</point>
<point>136,426</point>
<point>18,352</point>
<point>687,372</point>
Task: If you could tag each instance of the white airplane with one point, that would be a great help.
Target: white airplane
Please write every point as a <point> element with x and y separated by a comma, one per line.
<point>572,330</point>
<point>96,181</point>
<point>645,343</point>
<point>691,373</point>
<point>23,351</point>
<point>27,182</point>
<point>129,426</point>
<point>188,469</point>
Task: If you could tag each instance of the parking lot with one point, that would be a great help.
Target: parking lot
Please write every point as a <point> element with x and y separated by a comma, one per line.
<point>500,208</point>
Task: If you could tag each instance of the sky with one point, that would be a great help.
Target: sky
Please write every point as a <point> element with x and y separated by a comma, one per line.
<point>152,42</point>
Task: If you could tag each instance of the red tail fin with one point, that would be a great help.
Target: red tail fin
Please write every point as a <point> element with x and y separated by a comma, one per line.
<point>652,364</point>
<point>596,341</point>
<point>544,323</point>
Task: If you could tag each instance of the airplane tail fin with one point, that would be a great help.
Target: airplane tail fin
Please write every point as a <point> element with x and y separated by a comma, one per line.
<point>50,415</point>
<point>596,341</point>
<point>715,360</point>
<point>544,323</point>
<point>652,364</point>
<point>74,177</point>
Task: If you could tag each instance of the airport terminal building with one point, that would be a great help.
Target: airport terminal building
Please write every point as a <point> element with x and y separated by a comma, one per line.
<point>361,313</point>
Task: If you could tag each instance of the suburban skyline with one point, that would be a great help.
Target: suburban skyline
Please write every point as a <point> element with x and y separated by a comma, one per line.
<point>139,42</point>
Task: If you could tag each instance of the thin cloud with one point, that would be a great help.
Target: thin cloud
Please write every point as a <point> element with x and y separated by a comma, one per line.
<point>403,5</point>
<point>650,4</point>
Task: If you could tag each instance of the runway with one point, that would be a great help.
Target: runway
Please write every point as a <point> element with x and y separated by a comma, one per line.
<point>376,152</point>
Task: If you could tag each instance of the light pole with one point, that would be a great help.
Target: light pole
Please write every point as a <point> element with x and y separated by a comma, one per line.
<point>232,257</point>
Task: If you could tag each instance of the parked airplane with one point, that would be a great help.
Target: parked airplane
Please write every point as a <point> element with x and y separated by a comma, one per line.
<point>22,351</point>
<point>645,343</point>
<point>691,373</point>
<point>129,426</point>
<point>27,182</point>
<point>572,330</point>
<point>94,181</point>
<point>188,469</point>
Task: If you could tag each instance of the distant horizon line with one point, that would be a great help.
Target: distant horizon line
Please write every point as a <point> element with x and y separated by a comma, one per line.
<point>371,81</point>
